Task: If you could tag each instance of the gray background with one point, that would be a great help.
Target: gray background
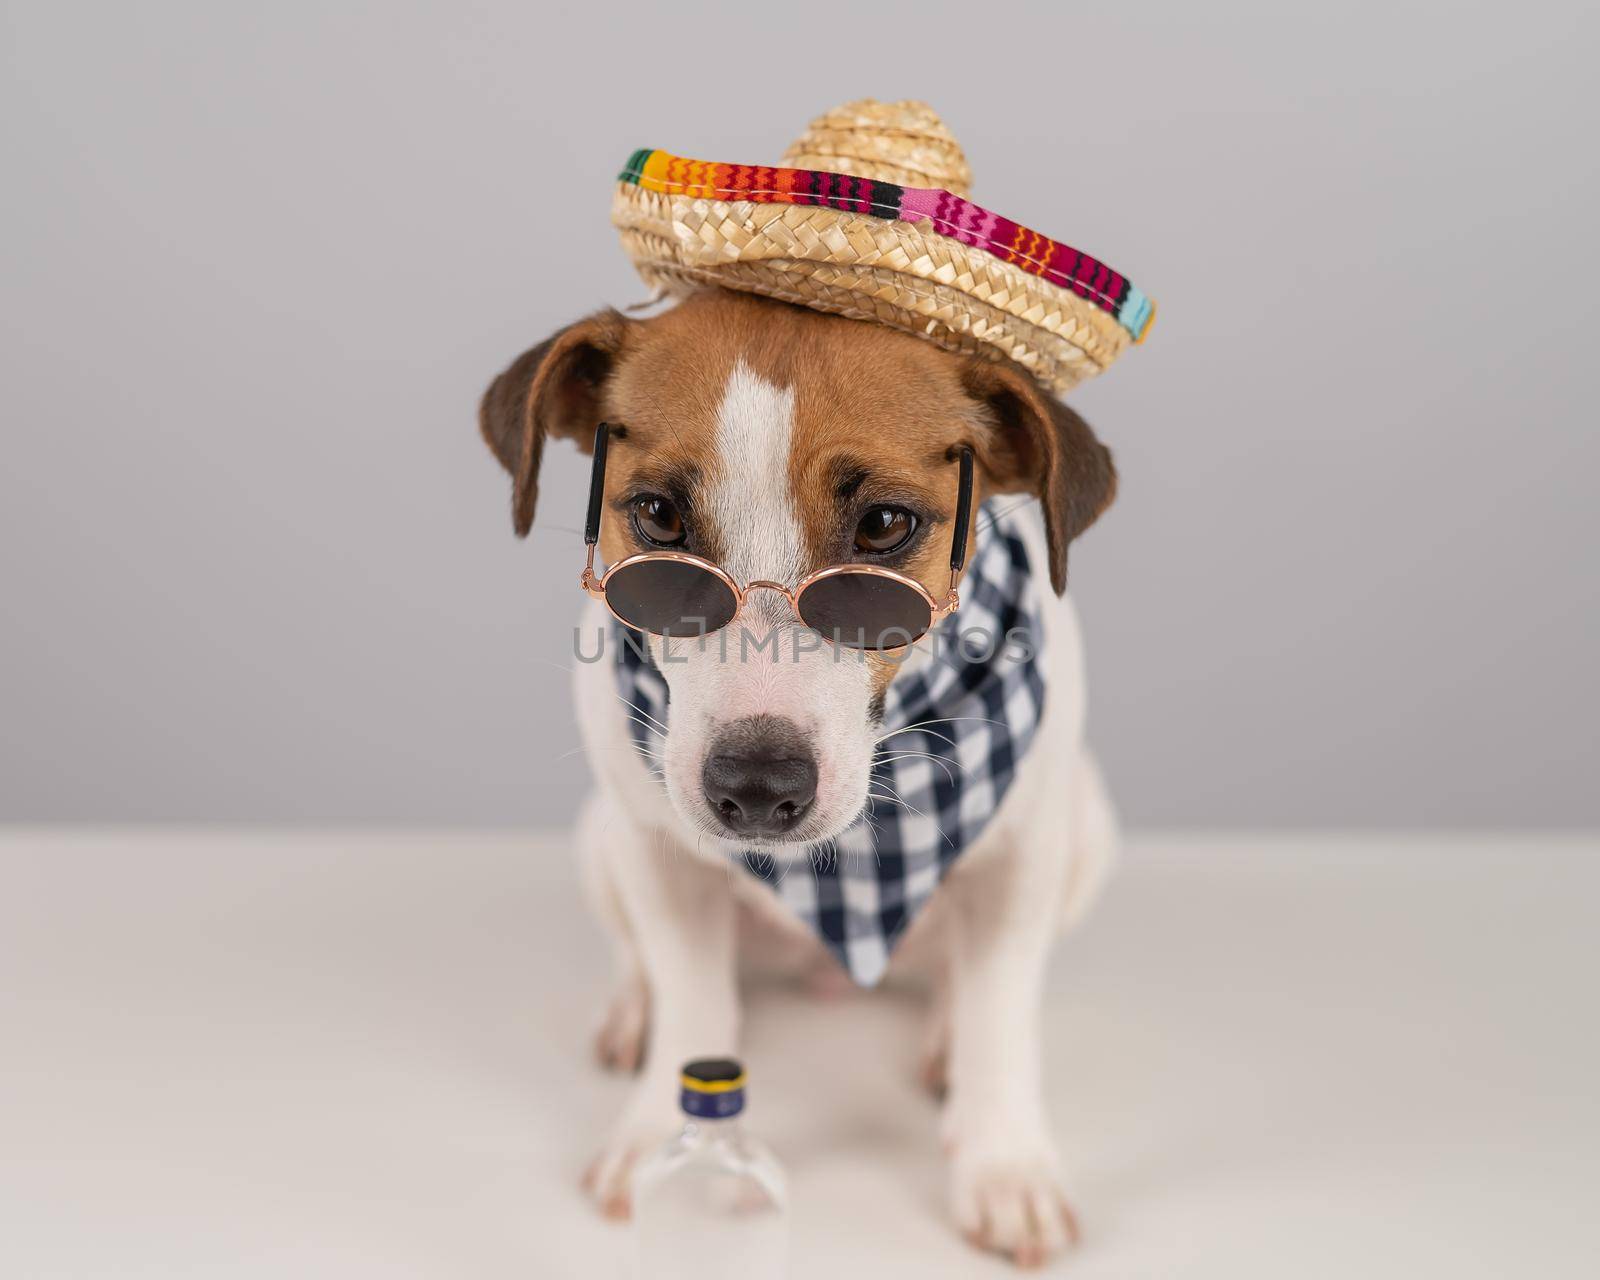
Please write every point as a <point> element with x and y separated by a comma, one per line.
<point>259,262</point>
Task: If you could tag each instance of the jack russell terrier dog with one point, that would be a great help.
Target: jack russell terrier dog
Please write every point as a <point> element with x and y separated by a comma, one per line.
<point>754,458</point>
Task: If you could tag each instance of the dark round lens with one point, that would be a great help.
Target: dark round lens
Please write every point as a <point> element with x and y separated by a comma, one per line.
<point>863,610</point>
<point>670,598</point>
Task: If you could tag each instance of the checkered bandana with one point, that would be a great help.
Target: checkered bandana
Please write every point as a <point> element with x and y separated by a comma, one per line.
<point>954,729</point>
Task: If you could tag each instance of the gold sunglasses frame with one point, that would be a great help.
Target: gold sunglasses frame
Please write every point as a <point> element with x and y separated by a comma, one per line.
<point>937,610</point>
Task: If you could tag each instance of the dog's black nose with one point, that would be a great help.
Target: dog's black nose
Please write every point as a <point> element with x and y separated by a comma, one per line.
<point>760,776</point>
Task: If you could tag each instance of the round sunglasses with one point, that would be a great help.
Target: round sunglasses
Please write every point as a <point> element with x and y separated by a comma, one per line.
<point>858,606</point>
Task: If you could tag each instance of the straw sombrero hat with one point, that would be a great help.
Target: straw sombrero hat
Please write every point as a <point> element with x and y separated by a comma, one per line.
<point>870,219</point>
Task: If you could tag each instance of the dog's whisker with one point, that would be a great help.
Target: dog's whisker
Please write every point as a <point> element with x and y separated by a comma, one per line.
<point>949,773</point>
<point>942,720</point>
<point>559,666</point>
<point>629,749</point>
<point>827,851</point>
<point>650,732</point>
<point>914,728</point>
<point>995,517</point>
<point>635,707</point>
<point>647,724</point>
<point>923,755</point>
<point>830,845</point>
<point>901,800</point>
<point>922,725</point>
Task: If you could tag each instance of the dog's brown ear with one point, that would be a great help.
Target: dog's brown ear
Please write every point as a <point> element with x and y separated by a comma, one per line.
<point>552,390</point>
<point>1040,446</point>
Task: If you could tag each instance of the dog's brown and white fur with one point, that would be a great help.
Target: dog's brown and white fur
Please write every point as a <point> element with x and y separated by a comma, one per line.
<point>755,410</point>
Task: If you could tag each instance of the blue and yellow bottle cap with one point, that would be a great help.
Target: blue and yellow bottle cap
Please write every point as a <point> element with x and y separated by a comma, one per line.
<point>713,1088</point>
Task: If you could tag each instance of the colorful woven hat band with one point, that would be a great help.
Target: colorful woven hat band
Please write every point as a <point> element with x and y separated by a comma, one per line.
<point>949,215</point>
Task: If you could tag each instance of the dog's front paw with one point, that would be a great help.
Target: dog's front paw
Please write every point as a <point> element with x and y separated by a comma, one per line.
<point>609,1177</point>
<point>1008,1198</point>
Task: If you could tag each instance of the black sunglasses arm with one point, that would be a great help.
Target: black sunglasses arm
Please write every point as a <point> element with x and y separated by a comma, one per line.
<point>958,545</point>
<point>597,494</point>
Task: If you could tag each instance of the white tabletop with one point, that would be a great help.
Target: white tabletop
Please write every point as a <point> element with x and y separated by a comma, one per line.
<point>274,1054</point>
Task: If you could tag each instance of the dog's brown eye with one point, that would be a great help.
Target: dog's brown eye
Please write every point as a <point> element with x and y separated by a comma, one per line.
<point>885,529</point>
<point>658,521</point>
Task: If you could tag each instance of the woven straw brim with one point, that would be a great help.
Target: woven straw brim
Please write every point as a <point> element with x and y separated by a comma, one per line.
<point>897,273</point>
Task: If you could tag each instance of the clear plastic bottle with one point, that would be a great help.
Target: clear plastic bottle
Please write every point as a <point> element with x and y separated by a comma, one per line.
<point>712,1204</point>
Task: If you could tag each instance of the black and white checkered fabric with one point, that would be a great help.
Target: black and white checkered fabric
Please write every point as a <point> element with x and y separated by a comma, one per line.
<point>954,730</point>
